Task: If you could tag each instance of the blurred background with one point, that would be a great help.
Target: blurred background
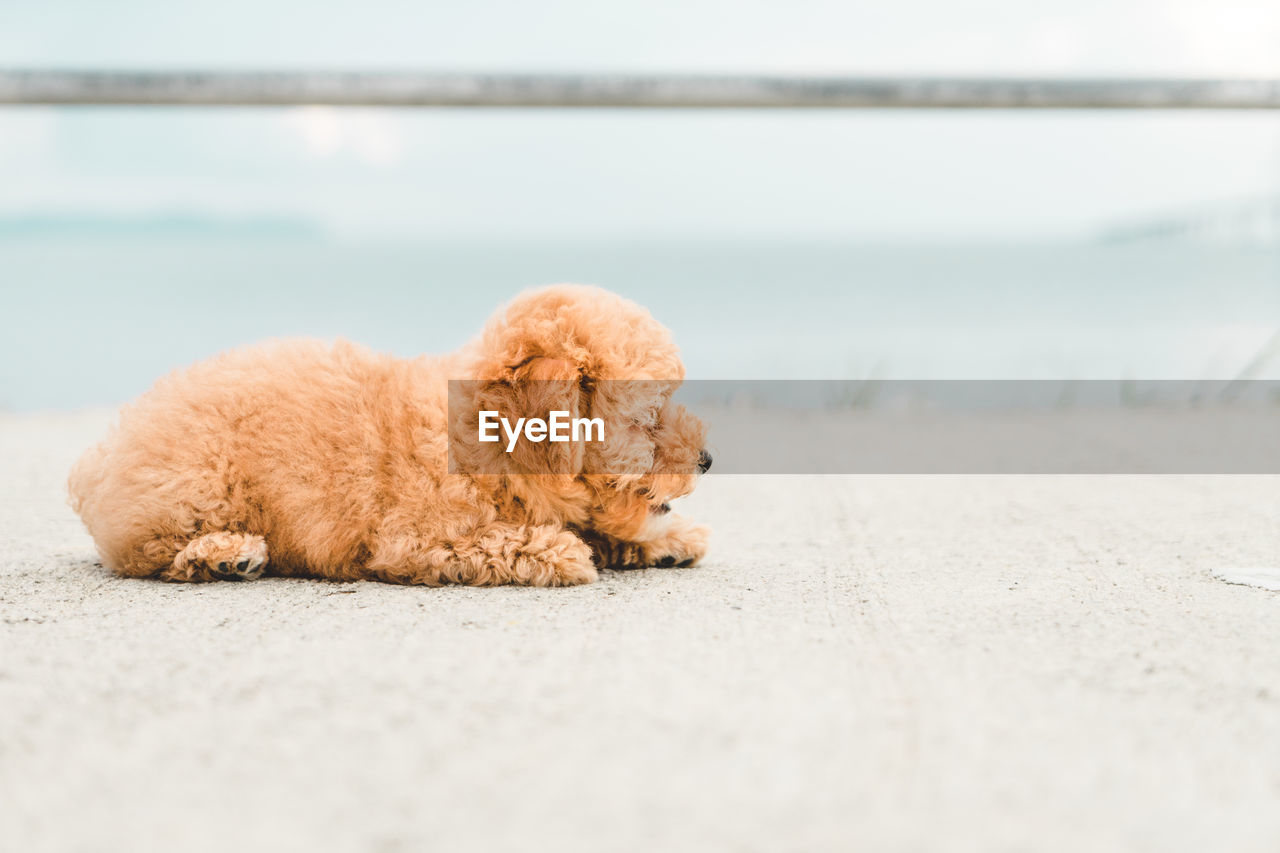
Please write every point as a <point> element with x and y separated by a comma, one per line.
<point>778,244</point>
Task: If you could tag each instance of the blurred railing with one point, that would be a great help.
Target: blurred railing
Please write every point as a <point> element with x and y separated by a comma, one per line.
<point>406,89</point>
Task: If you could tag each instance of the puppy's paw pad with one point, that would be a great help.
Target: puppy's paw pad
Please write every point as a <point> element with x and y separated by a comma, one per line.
<point>245,567</point>
<point>680,548</point>
<point>251,560</point>
<point>221,556</point>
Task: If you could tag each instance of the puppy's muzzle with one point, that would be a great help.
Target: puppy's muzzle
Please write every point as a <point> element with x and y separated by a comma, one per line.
<point>704,462</point>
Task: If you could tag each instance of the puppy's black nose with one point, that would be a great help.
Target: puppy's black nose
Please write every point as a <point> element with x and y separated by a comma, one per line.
<point>704,462</point>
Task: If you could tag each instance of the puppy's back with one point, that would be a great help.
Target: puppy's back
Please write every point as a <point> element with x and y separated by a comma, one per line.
<point>244,439</point>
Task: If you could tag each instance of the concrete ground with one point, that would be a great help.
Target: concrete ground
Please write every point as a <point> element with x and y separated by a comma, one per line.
<point>887,663</point>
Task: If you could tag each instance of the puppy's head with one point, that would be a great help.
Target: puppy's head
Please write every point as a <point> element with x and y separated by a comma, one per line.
<point>593,354</point>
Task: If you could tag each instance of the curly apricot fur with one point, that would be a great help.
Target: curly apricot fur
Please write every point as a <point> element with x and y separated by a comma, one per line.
<point>332,461</point>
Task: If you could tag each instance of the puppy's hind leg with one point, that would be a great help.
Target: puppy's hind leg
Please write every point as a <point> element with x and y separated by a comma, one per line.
<point>219,556</point>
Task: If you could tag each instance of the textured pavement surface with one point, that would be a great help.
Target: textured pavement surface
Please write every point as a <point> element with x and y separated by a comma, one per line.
<point>863,663</point>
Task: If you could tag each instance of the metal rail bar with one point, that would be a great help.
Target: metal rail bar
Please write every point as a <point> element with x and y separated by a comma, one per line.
<point>407,89</point>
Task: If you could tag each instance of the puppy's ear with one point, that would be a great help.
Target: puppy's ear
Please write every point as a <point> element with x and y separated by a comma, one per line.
<point>535,389</point>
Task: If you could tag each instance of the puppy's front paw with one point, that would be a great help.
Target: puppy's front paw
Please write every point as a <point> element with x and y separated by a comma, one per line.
<point>556,559</point>
<point>684,544</point>
<point>571,561</point>
<point>681,543</point>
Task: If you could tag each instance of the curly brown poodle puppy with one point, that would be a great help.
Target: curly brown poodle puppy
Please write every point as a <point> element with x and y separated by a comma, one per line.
<point>307,459</point>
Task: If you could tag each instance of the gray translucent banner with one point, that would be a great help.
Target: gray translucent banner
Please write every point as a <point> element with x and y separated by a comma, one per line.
<point>893,427</point>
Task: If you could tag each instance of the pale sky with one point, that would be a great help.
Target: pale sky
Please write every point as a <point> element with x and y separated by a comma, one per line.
<point>374,174</point>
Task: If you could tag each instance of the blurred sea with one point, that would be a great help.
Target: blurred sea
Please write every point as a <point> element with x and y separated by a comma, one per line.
<point>92,321</point>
